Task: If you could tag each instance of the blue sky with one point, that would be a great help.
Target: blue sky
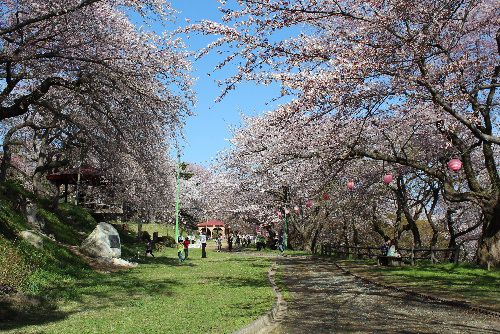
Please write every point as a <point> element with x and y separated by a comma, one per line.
<point>208,132</point>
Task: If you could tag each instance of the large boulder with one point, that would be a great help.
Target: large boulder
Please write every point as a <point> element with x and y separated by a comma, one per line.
<point>33,238</point>
<point>104,241</point>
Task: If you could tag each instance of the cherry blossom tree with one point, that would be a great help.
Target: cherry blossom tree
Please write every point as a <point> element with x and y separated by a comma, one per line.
<point>370,60</point>
<point>82,84</point>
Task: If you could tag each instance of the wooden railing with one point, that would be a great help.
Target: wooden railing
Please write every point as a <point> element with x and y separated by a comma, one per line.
<point>410,255</point>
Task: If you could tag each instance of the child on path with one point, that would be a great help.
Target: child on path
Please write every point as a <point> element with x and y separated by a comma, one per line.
<point>186,247</point>
<point>180,251</point>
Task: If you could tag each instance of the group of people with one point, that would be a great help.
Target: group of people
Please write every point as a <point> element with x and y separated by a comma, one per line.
<point>239,241</point>
<point>183,247</point>
<point>389,248</point>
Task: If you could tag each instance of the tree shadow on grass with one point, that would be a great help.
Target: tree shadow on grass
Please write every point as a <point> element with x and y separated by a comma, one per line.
<point>162,260</point>
<point>95,292</point>
<point>19,310</point>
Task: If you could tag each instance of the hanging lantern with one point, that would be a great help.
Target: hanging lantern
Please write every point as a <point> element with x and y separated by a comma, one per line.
<point>309,204</point>
<point>296,209</point>
<point>326,196</point>
<point>350,185</point>
<point>388,178</point>
<point>455,165</point>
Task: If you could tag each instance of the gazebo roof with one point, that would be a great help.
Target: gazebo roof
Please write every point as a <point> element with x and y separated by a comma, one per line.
<point>211,223</point>
<point>87,174</point>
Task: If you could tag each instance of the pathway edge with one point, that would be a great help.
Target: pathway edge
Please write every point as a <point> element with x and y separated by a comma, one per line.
<point>267,322</point>
<point>444,301</point>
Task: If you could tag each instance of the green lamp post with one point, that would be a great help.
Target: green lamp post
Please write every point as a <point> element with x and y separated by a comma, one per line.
<point>177,196</point>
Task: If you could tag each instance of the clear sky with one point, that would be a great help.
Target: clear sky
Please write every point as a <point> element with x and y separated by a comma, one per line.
<point>208,132</point>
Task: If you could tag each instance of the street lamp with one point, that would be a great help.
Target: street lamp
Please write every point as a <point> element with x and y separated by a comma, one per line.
<point>177,196</point>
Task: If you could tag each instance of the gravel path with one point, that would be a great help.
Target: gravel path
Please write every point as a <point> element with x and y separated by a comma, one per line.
<point>327,301</point>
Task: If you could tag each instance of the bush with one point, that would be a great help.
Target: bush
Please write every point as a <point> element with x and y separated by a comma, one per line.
<point>167,241</point>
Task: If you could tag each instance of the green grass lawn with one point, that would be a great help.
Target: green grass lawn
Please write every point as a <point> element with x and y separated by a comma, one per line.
<point>462,282</point>
<point>219,294</point>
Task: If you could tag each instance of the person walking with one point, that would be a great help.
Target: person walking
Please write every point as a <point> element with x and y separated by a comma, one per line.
<point>186,247</point>
<point>219,243</point>
<point>238,241</point>
<point>230,242</point>
<point>281,243</point>
<point>149,248</point>
<point>203,240</point>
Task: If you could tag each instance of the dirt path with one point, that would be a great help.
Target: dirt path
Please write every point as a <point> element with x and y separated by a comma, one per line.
<point>327,301</point>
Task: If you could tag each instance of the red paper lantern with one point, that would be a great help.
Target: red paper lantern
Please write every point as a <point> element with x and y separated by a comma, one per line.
<point>388,178</point>
<point>350,185</point>
<point>309,203</point>
<point>326,196</point>
<point>455,165</point>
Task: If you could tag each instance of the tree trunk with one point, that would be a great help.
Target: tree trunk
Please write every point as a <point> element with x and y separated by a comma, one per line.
<point>489,244</point>
<point>355,234</point>
<point>451,229</point>
<point>6,159</point>
<point>377,224</point>
<point>41,161</point>
<point>404,206</point>
<point>314,240</point>
<point>7,153</point>
<point>139,232</point>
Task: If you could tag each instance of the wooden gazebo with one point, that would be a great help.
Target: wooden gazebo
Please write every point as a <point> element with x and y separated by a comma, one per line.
<point>84,175</point>
<point>212,226</point>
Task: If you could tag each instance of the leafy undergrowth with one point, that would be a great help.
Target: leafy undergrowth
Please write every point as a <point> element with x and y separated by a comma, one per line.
<point>461,282</point>
<point>218,294</point>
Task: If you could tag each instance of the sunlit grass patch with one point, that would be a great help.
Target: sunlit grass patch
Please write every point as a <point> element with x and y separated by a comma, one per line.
<point>218,294</point>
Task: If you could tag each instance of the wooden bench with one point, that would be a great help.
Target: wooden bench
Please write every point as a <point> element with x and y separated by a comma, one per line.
<point>384,260</point>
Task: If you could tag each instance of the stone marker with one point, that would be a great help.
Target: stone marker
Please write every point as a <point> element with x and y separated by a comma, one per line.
<point>32,216</point>
<point>104,241</point>
<point>33,238</point>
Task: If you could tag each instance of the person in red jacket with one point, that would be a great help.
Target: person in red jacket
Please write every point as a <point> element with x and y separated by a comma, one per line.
<point>186,247</point>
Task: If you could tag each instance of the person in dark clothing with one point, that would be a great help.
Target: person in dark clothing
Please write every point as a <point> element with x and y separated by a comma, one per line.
<point>230,242</point>
<point>149,248</point>
<point>281,243</point>
<point>238,241</point>
<point>186,247</point>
